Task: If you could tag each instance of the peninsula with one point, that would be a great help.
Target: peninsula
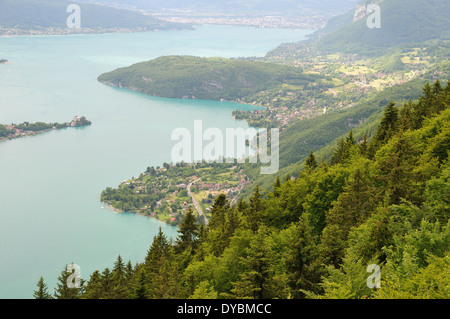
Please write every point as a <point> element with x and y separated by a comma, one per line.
<point>189,77</point>
<point>167,193</point>
<point>8,132</point>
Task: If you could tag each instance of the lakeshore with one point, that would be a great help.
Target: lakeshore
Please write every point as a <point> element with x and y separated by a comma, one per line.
<point>13,131</point>
<point>51,182</point>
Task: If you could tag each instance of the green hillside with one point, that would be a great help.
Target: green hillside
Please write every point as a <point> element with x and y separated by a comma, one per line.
<point>321,134</point>
<point>401,22</point>
<point>335,23</point>
<point>31,14</point>
<point>205,78</point>
<point>382,202</point>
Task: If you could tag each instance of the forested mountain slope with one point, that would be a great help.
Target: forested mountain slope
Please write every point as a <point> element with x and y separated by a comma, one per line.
<point>207,78</point>
<point>411,21</point>
<point>383,201</point>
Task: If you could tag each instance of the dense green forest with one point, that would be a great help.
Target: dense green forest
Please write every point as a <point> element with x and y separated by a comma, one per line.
<point>380,200</point>
<point>208,78</point>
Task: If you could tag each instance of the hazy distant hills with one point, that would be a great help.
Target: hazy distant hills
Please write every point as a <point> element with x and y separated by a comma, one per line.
<point>402,22</point>
<point>244,7</point>
<point>29,14</point>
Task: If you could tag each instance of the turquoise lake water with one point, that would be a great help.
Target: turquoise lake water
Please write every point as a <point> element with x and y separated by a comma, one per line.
<point>50,184</point>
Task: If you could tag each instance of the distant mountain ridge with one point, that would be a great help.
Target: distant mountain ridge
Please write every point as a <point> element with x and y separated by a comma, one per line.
<point>244,7</point>
<point>402,22</point>
<point>32,14</point>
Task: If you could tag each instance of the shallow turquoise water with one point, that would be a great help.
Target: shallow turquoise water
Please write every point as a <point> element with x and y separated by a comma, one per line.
<point>50,214</point>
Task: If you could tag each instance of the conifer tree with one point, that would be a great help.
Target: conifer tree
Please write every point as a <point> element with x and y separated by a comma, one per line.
<point>363,145</point>
<point>188,232</point>
<point>276,187</point>
<point>94,287</point>
<point>397,172</point>
<point>302,262</point>
<point>352,208</point>
<point>129,271</point>
<point>201,240</point>
<point>406,116</point>
<point>259,281</point>
<point>63,291</point>
<point>107,284</point>
<point>159,249</point>
<point>139,289</point>
<point>119,279</point>
<point>350,140</point>
<point>42,291</point>
<point>255,209</point>
<point>323,166</point>
<point>165,280</point>
<point>342,151</point>
<point>388,126</point>
<point>311,163</point>
<point>218,210</point>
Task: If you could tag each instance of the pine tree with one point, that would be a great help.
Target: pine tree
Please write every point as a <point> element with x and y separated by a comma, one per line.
<point>397,174</point>
<point>233,222</point>
<point>276,187</point>
<point>302,262</point>
<point>201,239</point>
<point>364,145</point>
<point>338,152</point>
<point>388,126</point>
<point>311,163</point>
<point>440,98</point>
<point>218,210</point>
<point>426,101</point>
<point>188,232</point>
<point>161,269</point>
<point>426,106</point>
<point>342,151</point>
<point>94,287</point>
<point>63,291</point>
<point>129,271</point>
<point>326,191</point>
<point>42,292</point>
<point>254,212</point>
<point>259,281</point>
<point>158,250</point>
<point>323,166</point>
<point>164,281</point>
<point>119,279</point>
<point>352,208</point>
<point>350,140</point>
<point>406,116</point>
<point>107,284</point>
<point>139,289</point>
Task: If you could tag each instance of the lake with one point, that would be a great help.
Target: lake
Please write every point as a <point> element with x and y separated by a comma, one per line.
<point>50,184</point>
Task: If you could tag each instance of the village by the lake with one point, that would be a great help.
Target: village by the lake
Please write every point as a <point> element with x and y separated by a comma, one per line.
<point>167,192</point>
<point>12,131</point>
